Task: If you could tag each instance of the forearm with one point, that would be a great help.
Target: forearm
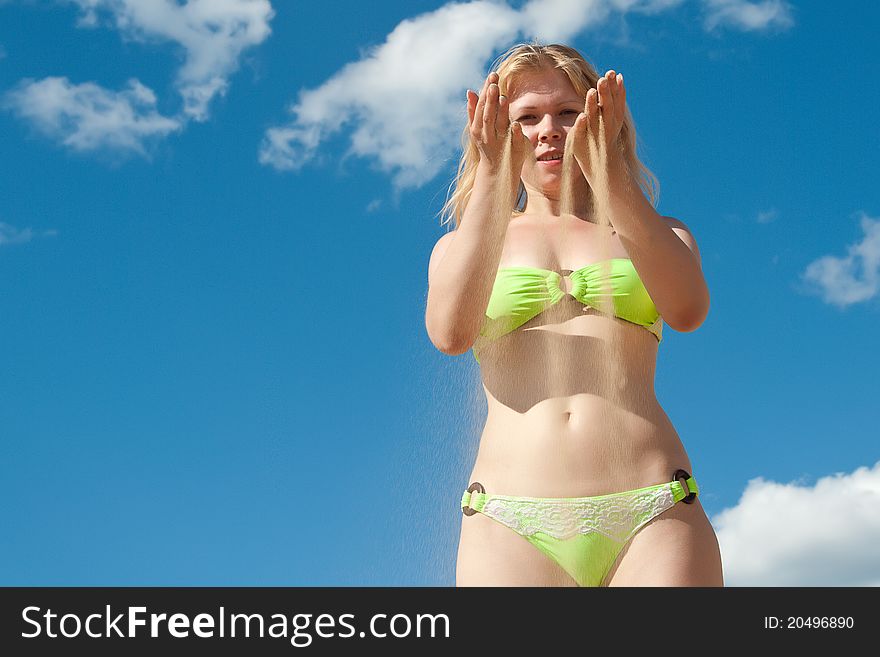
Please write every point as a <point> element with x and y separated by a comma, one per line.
<point>666,265</point>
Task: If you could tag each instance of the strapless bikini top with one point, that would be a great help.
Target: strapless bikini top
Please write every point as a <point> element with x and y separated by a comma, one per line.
<point>521,293</point>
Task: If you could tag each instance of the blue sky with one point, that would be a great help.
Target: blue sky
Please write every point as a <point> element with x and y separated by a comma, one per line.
<point>213,272</point>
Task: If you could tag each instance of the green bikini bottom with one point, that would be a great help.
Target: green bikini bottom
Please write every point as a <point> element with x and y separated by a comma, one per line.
<point>584,535</point>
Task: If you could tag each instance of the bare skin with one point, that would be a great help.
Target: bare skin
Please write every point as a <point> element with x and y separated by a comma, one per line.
<point>549,413</point>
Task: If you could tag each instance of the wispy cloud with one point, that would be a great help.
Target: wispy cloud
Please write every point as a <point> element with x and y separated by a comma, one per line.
<point>747,16</point>
<point>212,33</point>
<point>88,117</point>
<point>797,535</point>
<point>855,277</point>
<point>402,104</point>
<point>766,216</point>
<point>11,235</point>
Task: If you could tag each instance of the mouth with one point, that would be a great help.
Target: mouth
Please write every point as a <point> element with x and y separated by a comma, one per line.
<point>551,159</point>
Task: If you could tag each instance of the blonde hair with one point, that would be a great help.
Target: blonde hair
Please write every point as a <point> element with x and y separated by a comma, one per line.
<point>528,57</point>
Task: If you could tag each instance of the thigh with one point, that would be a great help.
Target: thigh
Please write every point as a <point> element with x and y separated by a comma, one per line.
<point>490,554</point>
<point>677,548</point>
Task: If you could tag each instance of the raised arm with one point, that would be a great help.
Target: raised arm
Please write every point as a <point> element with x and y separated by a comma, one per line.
<point>464,262</point>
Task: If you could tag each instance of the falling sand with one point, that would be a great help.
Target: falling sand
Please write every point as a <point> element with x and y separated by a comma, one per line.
<point>556,331</point>
<point>583,201</point>
<point>609,370</point>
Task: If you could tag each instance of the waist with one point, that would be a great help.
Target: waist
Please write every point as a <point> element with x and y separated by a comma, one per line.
<point>564,447</point>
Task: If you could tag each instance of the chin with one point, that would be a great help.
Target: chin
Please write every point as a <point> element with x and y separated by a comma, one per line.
<point>547,182</point>
<point>551,186</point>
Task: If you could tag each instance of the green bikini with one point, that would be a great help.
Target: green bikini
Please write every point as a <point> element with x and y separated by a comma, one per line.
<point>584,535</point>
<point>521,293</point>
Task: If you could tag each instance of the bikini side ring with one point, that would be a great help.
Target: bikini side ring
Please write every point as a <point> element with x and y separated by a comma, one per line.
<point>691,496</point>
<point>476,486</point>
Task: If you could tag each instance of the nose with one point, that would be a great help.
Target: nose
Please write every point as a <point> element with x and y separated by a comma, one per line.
<point>549,130</point>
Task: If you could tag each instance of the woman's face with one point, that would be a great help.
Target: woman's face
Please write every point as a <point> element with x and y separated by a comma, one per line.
<point>546,105</point>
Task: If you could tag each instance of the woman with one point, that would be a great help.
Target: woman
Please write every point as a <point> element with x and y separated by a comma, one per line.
<point>586,467</point>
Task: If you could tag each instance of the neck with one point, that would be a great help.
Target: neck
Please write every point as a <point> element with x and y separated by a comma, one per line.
<point>556,202</point>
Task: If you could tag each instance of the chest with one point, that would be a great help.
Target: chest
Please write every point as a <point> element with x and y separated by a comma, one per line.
<point>559,246</point>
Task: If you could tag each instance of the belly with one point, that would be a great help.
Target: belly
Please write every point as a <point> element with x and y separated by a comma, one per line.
<point>573,413</point>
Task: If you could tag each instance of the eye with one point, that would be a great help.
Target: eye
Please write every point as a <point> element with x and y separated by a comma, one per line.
<point>570,111</point>
<point>525,116</point>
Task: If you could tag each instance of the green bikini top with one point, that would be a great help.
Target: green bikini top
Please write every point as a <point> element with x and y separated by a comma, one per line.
<point>521,293</point>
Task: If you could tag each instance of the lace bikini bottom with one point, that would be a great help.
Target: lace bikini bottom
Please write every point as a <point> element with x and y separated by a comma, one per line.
<point>584,535</point>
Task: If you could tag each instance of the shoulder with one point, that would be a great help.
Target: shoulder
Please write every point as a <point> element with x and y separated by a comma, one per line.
<point>438,251</point>
<point>684,234</point>
<point>442,244</point>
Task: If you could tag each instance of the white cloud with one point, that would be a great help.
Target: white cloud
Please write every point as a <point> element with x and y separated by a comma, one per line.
<point>11,235</point>
<point>743,15</point>
<point>405,98</point>
<point>559,20</point>
<point>87,117</point>
<point>853,278</point>
<point>213,34</point>
<point>403,103</point>
<point>796,535</point>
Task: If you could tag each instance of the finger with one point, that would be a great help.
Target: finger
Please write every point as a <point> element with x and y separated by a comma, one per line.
<point>481,102</point>
<point>593,107</point>
<point>502,120</point>
<point>577,129</point>
<point>521,142</point>
<point>471,105</point>
<point>516,129</point>
<point>614,82</point>
<point>516,135</point>
<point>490,112</point>
<point>606,100</point>
<point>621,97</point>
<point>611,76</point>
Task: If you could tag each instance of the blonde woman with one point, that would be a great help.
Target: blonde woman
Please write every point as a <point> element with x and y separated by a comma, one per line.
<point>578,480</point>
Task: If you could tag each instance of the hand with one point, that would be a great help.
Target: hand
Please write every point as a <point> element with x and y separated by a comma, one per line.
<point>611,96</point>
<point>489,125</point>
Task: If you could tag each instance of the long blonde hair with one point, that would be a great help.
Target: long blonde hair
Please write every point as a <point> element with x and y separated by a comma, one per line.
<point>528,57</point>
